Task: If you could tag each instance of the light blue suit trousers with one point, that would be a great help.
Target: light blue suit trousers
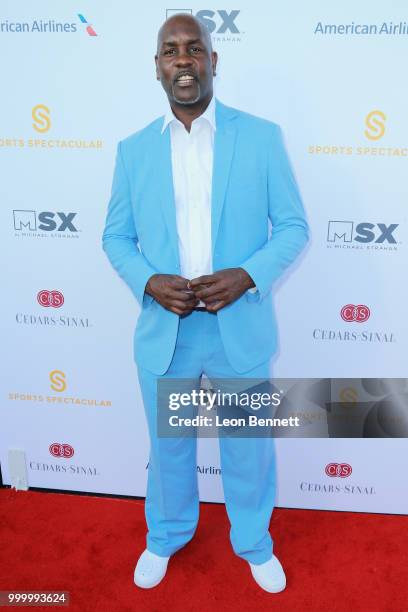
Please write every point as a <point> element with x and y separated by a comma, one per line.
<point>247,464</point>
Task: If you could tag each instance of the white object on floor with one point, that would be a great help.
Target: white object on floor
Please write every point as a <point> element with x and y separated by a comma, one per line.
<point>269,575</point>
<point>150,570</point>
<point>18,469</point>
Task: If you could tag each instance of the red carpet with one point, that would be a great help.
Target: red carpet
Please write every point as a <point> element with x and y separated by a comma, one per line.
<point>89,546</point>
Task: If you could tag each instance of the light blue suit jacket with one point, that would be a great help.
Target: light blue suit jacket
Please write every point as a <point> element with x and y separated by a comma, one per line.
<point>252,182</point>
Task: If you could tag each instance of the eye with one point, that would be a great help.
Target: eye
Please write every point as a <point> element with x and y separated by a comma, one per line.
<point>196,49</point>
<point>168,52</point>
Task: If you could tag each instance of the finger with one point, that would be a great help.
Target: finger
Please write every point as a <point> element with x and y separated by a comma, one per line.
<point>214,299</point>
<point>181,311</point>
<point>171,294</point>
<point>201,285</point>
<point>183,306</point>
<point>214,307</point>
<point>185,296</point>
<point>177,311</point>
<point>176,298</point>
<point>202,280</point>
<point>210,292</point>
<point>178,282</point>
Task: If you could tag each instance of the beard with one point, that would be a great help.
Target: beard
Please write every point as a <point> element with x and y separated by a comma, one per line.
<point>187,102</point>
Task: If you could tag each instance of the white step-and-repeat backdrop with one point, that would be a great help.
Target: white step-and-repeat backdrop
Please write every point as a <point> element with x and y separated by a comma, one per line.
<point>73,84</point>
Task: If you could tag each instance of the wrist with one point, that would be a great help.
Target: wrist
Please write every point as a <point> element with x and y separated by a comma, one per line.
<point>249,283</point>
<point>148,287</point>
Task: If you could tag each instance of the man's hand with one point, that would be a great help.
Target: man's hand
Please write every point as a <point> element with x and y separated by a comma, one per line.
<point>221,288</point>
<point>172,292</point>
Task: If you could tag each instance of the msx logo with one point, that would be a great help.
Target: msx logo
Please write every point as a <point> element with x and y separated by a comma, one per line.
<point>26,220</point>
<point>347,231</point>
<point>212,19</point>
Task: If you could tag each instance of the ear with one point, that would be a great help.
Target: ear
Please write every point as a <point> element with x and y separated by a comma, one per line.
<point>214,59</point>
<point>157,68</point>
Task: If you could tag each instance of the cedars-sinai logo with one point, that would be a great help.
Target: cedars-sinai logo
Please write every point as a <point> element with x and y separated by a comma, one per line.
<point>50,299</point>
<point>352,313</point>
<point>63,451</point>
<point>338,470</point>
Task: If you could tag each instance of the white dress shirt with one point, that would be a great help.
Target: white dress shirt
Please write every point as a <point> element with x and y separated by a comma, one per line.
<point>192,163</point>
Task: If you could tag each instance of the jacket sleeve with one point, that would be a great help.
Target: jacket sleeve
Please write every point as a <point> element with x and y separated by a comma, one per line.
<point>120,241</point>
<point>289,225</point>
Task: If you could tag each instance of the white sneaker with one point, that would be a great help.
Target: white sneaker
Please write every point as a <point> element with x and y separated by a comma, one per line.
<point>270,575</point>
<point>150,570</point>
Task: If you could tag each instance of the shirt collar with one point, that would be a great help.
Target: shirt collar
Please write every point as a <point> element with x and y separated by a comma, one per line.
<point>208,114</point>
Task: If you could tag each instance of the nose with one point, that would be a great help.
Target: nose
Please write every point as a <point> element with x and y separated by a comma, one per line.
<point>184,59</point>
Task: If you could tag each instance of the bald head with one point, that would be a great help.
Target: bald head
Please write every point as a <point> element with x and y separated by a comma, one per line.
<point>185,61</point>
<point>175,21</point>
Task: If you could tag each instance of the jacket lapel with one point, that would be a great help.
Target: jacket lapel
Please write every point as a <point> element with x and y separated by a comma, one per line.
<point>164,178</point>
<point>224,141</point>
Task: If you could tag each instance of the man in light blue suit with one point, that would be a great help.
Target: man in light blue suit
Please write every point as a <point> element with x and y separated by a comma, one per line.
<point>193,196</point>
